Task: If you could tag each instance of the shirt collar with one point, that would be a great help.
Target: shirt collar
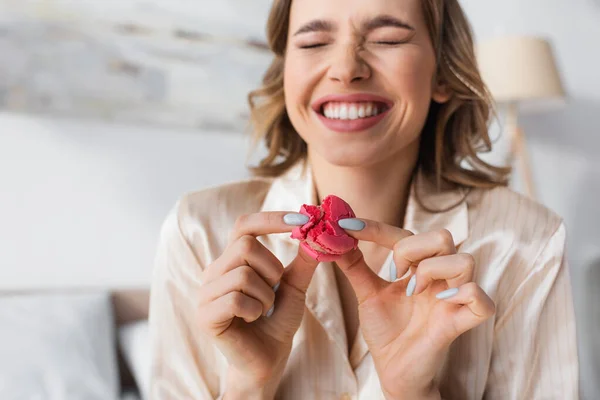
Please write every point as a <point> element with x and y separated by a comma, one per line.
<point>291,190</point>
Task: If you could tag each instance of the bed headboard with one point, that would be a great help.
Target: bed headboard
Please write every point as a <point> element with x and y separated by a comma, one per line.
<point>131,305</point>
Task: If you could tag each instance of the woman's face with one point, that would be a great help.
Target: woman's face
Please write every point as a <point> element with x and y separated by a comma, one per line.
<point>358,78</point>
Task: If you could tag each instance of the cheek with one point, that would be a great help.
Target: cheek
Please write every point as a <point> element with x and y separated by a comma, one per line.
<point>407,71</point>
<point>291,89</point>
<point>296,86</point>
<point>292,86</point>
<point>410,77</point>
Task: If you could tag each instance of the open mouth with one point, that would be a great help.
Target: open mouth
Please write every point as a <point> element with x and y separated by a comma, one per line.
<point>352,111</point>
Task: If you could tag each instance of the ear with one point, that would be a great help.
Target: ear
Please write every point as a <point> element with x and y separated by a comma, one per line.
<point>441,93</point>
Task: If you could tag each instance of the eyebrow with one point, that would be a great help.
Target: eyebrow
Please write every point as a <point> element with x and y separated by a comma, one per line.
<point>317,25</point>
<point>381,21</point>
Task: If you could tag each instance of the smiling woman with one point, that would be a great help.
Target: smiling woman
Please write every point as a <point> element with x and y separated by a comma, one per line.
<point>456,120</point>
<point>458,288</point>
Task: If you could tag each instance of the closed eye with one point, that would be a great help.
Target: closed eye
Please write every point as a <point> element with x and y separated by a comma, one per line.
<point>388,43</point>
<point>313,46</point>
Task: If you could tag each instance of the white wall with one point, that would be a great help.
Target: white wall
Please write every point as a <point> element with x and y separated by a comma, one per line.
<point>81,203</point>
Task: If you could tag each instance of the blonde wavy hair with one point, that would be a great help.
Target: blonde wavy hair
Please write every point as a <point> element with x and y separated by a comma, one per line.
<point>454,132</point>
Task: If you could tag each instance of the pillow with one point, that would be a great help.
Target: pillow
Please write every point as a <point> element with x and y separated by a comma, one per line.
<point>57,347</point>
<point>134,343</point>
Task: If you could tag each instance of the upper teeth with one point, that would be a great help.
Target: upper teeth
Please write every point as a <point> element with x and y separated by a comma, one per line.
<point>351,110</point>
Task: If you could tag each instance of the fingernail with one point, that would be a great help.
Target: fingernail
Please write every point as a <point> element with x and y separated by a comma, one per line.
<point>406,275</point>
<point>295,219</point>
<point>393,271</point>
<point>412,284</point>
<point>271,310</point>
<point>276,287</point>
<point>446,294</point>
<point>352,224</point>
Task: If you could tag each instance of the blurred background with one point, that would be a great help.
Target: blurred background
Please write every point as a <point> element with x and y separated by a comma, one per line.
<point>112,109</point>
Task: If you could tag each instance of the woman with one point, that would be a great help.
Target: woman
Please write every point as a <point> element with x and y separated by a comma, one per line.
<point>459,288</point>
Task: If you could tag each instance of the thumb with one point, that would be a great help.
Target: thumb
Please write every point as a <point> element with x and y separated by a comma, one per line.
<point>300,271</point>
<point>364,281</point>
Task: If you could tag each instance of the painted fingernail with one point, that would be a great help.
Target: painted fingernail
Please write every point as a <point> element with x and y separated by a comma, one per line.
<point>446,294</point>
<point>270,312</point>
<point>406,275</point>
<point>412,284</point>
<point>352,224</point>
<point>393,271</point>
<point>295,219</point>
<point>276,287</point>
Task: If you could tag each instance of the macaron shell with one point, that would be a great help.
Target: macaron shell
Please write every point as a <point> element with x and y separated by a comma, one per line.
<point>335,243</point>
<point>317,255</point>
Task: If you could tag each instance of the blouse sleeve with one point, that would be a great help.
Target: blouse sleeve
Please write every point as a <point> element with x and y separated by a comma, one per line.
<point>184,365</point>
<point>534,354</point>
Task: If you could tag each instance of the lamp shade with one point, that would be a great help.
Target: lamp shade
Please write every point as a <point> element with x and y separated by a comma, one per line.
<point>520,69</point>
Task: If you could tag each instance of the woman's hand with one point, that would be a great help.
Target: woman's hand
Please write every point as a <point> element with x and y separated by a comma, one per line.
<point>240,312</point>
<point>409,325</point>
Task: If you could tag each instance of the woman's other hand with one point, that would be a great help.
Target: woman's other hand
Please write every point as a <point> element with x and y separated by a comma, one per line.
<point>251,307</point>
<point>409,324</point>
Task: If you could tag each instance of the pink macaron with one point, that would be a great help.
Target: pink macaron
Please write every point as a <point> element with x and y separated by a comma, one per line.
<point>321,236</point>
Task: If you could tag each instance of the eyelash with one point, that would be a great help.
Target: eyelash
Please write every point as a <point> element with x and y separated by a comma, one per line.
<point>313,46</point>
<point>317,45</point>
<point>389,43</point>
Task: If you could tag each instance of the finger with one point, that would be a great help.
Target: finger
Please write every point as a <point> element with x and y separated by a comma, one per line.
<point>477,306</point>
<point>380,233</point>
<point>414,249</point>
<point>300,271</point>
<point>242,279</point>
<point>455,269</point>
<point>217,316</point>
<point>364,281</point>
<point>247,250</point>
<point>291,295</point>
<point>263,223</point>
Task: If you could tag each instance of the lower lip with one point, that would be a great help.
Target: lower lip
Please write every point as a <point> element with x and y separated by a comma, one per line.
<point>351,125</point>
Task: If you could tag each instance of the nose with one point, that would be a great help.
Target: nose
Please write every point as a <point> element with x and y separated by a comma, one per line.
<point>347,66</point>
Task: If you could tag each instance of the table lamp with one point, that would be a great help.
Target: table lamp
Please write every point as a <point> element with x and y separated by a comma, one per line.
<point>521,74</point>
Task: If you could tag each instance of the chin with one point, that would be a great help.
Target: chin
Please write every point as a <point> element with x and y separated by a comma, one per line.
<point>349,155</point>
